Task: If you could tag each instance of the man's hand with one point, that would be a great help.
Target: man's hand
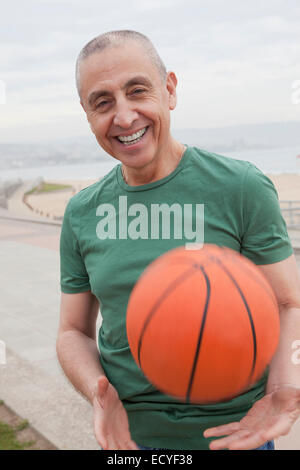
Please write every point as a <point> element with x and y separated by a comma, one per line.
<point>110,419</point>
<point>269,418</point>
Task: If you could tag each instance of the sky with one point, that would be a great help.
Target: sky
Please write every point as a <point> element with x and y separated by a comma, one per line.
<point>236,62</point>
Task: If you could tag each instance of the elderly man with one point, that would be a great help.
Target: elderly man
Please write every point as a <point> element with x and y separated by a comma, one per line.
<point>127,96</point>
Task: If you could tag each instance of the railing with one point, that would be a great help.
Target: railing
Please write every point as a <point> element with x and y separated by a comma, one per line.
<point>291,213</point>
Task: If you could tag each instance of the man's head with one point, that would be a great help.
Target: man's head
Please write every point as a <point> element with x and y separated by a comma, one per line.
<point>116,39</point>
<point>127,96</point>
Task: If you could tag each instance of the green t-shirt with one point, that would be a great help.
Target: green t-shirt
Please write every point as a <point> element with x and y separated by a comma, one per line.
<point>111,232</point>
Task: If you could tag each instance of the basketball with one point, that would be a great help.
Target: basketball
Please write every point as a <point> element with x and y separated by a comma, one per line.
<point>202,324</point>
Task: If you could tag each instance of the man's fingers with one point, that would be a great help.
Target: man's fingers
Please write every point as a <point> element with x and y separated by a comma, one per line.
<point>133,446</point>
<point>127,445</point>
<point>110,420</point>
<point>108,441</point>
<point>101,439</point>
<point>222,430</point>
<point>225,442</point>
<point>112,443</point>
<point>248,443</point>
<point>280,428</point>
<point>102,442</point>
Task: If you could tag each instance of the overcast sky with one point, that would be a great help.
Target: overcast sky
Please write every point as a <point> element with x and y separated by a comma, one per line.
<point>236,62</point>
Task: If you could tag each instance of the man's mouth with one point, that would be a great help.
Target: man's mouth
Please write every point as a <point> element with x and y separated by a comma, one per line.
<point>132,139</point>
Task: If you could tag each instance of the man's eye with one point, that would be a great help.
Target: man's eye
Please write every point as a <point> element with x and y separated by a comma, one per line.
<point>102,104</point>
<point>138,91</point>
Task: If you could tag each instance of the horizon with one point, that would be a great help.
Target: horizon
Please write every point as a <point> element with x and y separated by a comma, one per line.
<point>236,63</point>
<point>90,136</point>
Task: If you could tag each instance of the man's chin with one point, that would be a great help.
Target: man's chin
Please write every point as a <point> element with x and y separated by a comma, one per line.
<point>135,160</point>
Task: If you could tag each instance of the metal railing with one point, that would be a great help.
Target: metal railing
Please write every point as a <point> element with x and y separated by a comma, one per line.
<point>291,213</point>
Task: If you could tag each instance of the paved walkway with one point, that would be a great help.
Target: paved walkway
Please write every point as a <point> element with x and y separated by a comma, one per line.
<point>16,204</point>
<point>46,206</point>
<point>31,382</point>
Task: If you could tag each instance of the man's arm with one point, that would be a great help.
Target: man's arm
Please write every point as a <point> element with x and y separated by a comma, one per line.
<point>76,341</point>
<point>79,357</point>
<point>284,279</point>
<point>274,414</point>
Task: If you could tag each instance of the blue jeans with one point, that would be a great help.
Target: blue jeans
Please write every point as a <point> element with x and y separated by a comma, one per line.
<point>267,446</point>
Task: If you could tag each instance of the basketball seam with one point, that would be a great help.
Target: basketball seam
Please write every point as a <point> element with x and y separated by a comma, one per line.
<point>249,316</point>
<point>163,296</point>
<point>233,258</point>
<point>203,321</point>
<point>268,290</point>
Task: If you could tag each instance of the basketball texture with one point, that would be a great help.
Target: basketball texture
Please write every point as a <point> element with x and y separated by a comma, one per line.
<point>202,324</point>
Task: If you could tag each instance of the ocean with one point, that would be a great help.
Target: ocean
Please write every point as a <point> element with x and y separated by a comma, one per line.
<point>272,161</point>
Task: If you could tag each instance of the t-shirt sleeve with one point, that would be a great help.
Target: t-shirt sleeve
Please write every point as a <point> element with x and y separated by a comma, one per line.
<point>265,239</point>
<point>73,275</point>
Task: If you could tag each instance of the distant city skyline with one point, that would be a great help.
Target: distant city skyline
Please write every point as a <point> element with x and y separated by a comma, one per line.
<point>236,63</point>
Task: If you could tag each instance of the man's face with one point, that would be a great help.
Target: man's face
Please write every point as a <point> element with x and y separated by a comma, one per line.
<point>128,104</point>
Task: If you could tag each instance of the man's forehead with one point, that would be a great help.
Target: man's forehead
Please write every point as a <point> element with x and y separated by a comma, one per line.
<point>117,68</point>
<point>129,56</point>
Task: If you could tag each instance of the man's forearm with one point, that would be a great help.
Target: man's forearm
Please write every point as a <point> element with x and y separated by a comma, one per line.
<point>285,366</point>
<point>79,357</point>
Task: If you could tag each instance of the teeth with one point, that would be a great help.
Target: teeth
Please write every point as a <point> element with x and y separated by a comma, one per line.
<point>133,137</point>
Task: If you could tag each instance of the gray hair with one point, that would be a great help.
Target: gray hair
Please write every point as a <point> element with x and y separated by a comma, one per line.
<point>116,38</point>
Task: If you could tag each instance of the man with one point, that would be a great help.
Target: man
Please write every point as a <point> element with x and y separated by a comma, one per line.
<point>127,96</point>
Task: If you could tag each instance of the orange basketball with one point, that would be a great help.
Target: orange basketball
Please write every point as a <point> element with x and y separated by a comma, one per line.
<point>202,324</point>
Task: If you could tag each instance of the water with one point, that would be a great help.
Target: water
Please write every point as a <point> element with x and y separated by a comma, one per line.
<point>60,172</point>
<point>272,161</point>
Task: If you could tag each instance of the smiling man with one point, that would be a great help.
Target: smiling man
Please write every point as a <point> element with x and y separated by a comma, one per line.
<point>127,96</point>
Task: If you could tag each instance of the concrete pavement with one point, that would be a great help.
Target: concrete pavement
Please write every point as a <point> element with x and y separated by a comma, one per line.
<point>31,382</point>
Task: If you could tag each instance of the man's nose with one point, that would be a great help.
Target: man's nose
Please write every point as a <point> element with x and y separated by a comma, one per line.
<point>125,115</point>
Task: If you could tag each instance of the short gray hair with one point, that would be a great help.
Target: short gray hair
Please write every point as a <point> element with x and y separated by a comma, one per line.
<point>116,38</point>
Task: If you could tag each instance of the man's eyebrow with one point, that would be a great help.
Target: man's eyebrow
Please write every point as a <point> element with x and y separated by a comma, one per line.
<point>138,80</point>
<point>97,94</point>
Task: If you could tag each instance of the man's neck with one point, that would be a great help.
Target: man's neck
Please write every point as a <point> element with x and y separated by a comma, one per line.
<point>157,169</point>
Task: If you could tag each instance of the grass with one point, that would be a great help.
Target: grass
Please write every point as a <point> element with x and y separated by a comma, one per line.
<point>23,425</point>
<point>8,437</point>
<point>17,434</point>
<point>46,187</point>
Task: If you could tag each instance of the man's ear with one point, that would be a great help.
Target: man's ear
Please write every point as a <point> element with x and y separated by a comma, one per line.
<point>171,83</point>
